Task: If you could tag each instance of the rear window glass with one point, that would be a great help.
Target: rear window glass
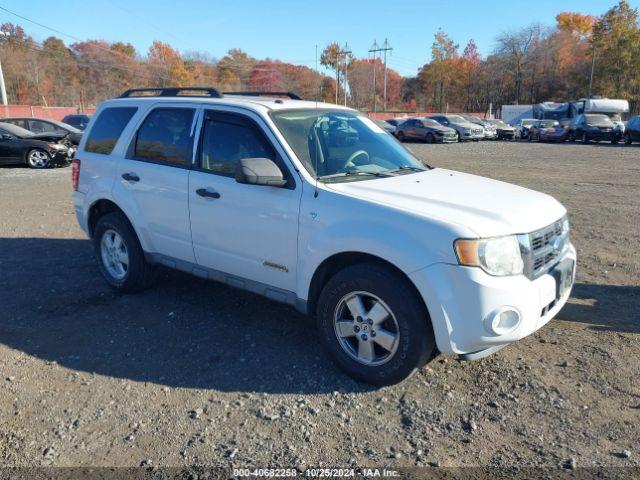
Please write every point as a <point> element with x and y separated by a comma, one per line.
<point>107,129</point>
<point>165,136</point>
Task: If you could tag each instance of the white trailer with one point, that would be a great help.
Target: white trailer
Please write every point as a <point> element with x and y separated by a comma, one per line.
<point>511,114</point>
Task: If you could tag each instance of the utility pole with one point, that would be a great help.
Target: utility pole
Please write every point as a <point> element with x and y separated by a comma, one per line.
<point>385,48</point>
<point>593,64</point>
<point>375,48</point>
<point>346,52</point>
<point>3,89</point>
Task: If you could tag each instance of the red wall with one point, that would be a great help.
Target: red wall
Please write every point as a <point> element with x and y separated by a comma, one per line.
<point>52,113</point>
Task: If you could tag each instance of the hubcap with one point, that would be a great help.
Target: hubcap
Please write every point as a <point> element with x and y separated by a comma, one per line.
<point>366,328</point>
<point>38,159</point>
<point>114,254</point>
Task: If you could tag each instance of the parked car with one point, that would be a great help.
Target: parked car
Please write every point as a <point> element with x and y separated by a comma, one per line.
<point>540,125</point>
<point>522,128</point>
<point>490,131</point>
<point>18,145</point>
<point>504,130</point>
<point>79,121</point>
<point>386,126</point>
<point>632,132</point>
<point>557,133</point>
<point>396,260</point>
<point>394,121</point>
<point>594,126</point>
<point>425,130</point>
<point>465,129</point>
<point>43,125</point>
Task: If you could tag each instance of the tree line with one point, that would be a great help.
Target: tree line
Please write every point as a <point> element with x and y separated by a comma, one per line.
<point>528,65</point>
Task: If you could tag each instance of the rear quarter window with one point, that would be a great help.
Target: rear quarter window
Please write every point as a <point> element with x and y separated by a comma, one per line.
<point>107,129</point>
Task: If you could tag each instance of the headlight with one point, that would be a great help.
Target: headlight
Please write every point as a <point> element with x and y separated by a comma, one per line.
<point>497,256</point>
<point>57,146</point>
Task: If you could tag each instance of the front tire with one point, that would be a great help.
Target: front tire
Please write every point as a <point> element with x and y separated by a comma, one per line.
<point>585,138</point>
<point>38,159</point>
<point>430,138</point>
<point>119,254</point>
<point>374,325</point>
<point>627,139</point>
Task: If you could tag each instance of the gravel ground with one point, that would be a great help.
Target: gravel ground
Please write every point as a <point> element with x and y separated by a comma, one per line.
<point>196,373</point>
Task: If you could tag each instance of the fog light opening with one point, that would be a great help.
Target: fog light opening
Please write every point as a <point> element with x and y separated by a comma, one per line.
<point>503,320</point>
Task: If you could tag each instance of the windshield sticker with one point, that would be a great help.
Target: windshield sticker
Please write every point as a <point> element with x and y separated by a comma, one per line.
<point>372,126</point>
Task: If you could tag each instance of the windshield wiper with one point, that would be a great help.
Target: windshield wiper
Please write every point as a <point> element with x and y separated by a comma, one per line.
<point>355,173</point>
<point>407,168</point>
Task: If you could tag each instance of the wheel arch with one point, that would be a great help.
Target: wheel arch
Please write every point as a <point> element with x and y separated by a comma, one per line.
<point>100,208</point>
<point>336,262</point>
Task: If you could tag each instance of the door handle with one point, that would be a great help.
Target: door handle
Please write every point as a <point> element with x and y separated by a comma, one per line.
<point>203,192</point>
<point>131,177</point>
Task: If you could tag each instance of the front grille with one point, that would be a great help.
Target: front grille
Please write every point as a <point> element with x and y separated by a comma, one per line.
<point>542,248</point>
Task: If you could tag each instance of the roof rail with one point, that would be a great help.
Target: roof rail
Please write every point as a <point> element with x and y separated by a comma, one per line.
<point>291,95</point>
<point>172,92</point>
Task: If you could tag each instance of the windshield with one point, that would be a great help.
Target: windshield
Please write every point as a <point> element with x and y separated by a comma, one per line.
<point>456,119</point>
<point>528,122</point>
<point>499,123</point>
<point>15,130</point>
<point>549,123</point>
<point>430,123</point>
<point>593,119</point>
<point>342,144</point>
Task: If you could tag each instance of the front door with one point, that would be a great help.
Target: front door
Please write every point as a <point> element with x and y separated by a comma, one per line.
<point>248,231</point>
<point>11,148</point>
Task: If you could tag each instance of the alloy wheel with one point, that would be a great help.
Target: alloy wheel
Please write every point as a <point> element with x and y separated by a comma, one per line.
<point>366,328</point>
<point>114,254</point>
<point>38,159</point>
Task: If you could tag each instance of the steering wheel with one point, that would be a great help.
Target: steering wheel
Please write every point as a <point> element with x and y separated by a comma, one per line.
<point>355,155</point>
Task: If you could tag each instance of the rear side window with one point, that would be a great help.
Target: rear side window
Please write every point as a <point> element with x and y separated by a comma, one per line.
<point>107,129</point>
<point>165,136</point>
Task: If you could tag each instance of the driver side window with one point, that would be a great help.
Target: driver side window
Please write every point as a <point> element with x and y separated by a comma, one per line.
<point>226,139</point>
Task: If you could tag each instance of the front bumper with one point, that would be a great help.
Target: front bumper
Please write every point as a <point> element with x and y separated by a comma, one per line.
<point>448,138</point>
<point>60,157</point>
<point>471,136</point>
<point>510,134</point>
<point>460,299</point>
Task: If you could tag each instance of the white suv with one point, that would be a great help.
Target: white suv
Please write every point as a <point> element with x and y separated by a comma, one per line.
<point>314,205</point>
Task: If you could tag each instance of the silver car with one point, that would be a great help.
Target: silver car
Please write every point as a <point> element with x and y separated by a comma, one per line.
<point>466,130</point>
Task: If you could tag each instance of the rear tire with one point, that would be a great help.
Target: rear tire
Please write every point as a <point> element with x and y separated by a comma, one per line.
<point>401,137</point>
<point>120,257</point>
<point>379,352</point>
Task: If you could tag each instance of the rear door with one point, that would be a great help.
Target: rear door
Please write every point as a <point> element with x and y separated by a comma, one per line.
<point>154,178</point>
<point>634,129</point>
<point>247,231</point>
<point>11,148</point>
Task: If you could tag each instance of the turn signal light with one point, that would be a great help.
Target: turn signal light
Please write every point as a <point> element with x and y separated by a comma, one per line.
<point>75,173</point>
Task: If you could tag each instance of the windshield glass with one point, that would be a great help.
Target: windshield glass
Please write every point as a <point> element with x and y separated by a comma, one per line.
<point>456,119</point>
<point>343,144</point>
<point>499,123</point>
<point>528,122</point>
<point>549,123</point>
<point>593,119</point>
<point>15,130</point>
<point>430,123</point>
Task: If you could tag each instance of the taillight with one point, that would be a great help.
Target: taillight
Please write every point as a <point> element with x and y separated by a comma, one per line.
<point>75,173</point>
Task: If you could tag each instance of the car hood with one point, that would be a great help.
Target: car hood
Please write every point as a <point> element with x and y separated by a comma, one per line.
<point>504,127</point>
<point>47,136</point>
<point>442,129</point>
<point>486,207</point>
<point>467,125</point>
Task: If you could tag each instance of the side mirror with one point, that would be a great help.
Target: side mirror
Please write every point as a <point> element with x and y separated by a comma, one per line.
<point>259,171</point>
<point>6,136</point>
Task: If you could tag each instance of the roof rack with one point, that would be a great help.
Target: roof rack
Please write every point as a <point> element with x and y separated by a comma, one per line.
<point>172,92</point>
<point>290,95</point>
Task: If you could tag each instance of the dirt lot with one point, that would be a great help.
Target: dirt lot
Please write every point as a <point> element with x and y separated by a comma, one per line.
<point>196,373</point>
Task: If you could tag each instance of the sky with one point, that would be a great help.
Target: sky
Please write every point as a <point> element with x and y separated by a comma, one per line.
<point>290,30</point>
